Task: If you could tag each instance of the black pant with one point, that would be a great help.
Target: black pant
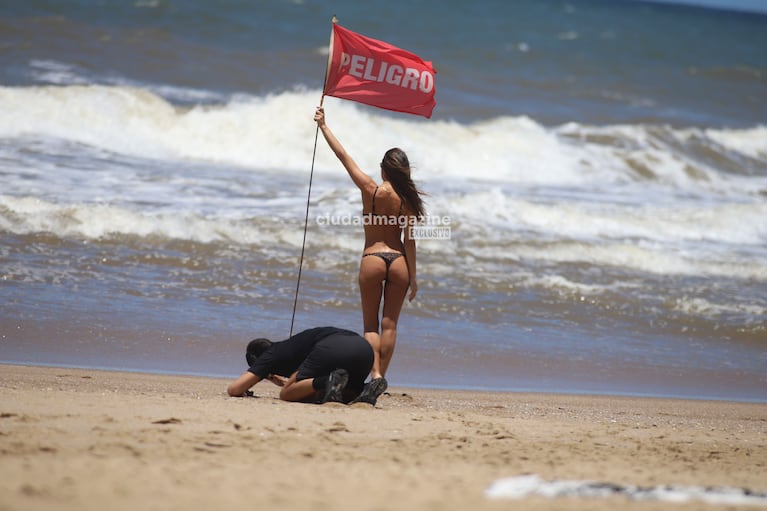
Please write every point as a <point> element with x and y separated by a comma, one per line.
<point>339,351</point>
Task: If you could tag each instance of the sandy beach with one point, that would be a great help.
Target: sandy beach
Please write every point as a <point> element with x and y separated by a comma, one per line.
<point>85,439</point>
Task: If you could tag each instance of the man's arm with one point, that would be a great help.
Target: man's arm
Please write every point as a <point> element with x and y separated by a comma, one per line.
<point>297,390</point>
<point>240,386</point>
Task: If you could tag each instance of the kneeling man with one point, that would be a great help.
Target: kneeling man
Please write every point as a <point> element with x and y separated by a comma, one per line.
<point>320,364</point>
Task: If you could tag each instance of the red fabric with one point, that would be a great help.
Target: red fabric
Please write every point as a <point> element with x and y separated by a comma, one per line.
<point>378,74</point>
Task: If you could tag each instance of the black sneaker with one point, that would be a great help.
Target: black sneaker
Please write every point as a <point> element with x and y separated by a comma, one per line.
<point>372,390</point>
<point>336,383</point>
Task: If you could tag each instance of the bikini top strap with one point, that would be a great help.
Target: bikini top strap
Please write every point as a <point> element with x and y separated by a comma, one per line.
<point>373,206</point>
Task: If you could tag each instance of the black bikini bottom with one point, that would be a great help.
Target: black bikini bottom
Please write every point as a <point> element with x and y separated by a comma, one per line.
<point>388,257</point>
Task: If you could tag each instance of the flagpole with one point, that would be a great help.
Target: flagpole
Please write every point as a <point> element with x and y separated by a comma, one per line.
<point>311,176</point>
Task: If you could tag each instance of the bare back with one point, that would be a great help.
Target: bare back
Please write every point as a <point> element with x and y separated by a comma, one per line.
<point>383,211</point>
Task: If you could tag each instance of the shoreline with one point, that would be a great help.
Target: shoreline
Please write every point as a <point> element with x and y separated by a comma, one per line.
<point>422,387</point>
<point>76,438</point>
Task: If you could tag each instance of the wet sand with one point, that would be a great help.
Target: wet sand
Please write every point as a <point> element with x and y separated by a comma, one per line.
<point>86,440</point>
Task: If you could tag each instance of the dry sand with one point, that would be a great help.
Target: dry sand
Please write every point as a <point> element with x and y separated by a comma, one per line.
<point>85,440</point>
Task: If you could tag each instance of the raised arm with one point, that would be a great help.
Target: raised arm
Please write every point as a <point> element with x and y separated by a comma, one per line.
<point>362,180</point>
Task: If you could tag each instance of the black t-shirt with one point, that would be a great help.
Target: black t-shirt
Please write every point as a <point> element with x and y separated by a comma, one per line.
<point>286,356</point>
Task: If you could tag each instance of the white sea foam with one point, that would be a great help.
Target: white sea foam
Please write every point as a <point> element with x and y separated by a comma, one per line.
<point>580,218</point>
<point>700,306</point>
<point>751,142</point>
<point>277,132</point>
<point>94,160</point>
<point>533,485</point>
<point>28,215</point>
<point>92,221</point>
<point>60,73</point>
<point>52,71</point>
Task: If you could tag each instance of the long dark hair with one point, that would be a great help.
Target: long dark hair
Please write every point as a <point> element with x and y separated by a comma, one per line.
<point>396,169</point>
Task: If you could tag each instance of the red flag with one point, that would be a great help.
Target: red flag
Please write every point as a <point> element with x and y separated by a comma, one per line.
<point>378,74</point>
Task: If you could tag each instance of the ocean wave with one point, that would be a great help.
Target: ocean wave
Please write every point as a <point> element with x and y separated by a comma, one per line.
<point>29,215</point>
<point>749,142</point>
<point>67,74</point>
<point>276,132</point>
<point>591,219</point>
<point>652,248</point>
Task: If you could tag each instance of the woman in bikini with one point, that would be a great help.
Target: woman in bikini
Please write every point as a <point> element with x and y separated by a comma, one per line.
<point>388,266</point>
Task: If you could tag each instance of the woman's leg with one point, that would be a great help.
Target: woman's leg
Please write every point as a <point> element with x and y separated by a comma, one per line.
<point>372,275</point>
<point>394,295</point>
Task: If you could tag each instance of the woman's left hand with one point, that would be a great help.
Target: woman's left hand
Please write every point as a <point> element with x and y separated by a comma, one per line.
<point>413,289</point>
<point>319,116</point>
